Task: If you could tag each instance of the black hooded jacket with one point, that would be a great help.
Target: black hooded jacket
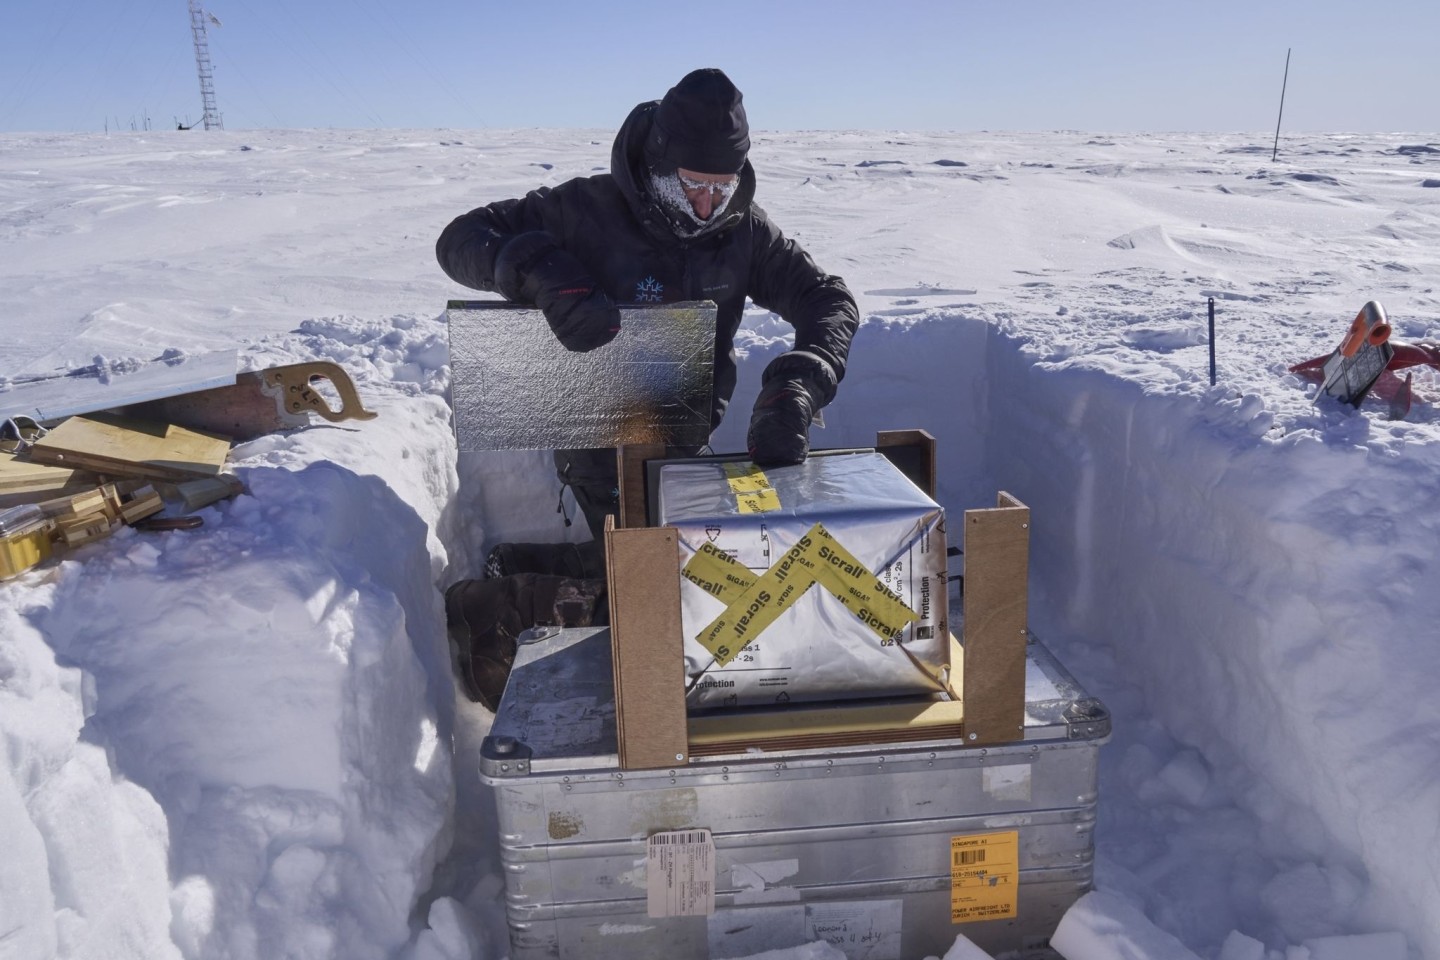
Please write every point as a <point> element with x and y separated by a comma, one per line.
<point>613,226</point>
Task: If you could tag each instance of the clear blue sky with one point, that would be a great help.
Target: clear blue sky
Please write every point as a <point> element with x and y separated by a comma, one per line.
<point>1093,65</point>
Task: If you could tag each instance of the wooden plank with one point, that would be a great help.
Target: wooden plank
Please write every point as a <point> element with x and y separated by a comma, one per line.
<point>20,475</point>
<point>201,493</point>
<point>89,503</point>
<point>829,740</point>
<point>44,496</point>
<point>913,454</point>
<point>134,448</point>
<point>86,529</point>
<point>997,561</point>
<point>146,503</point>
<point>643,566</point>
<point>856,718</point>
<point>630,465</point>
<point>113,502</point>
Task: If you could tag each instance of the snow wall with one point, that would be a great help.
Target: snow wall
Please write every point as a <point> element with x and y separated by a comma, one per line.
<point>234,742</point>
<point>1269,598</point>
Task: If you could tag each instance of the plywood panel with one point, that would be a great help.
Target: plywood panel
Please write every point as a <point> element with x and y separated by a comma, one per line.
<point>643,566</point>
<point>110,444</point>
<point>913,454</point>
<point>23,476</point>
<point>997,560</point>
<point>630,467</point>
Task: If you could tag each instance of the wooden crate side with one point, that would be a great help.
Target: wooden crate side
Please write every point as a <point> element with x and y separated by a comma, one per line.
<point>630,467</point>
<point>913,454</point>
<point>997,561</point>
<point>643,566</point>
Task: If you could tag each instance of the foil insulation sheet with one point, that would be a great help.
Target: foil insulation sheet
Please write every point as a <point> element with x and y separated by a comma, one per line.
<point>818,582</point>
<point>514,387</point>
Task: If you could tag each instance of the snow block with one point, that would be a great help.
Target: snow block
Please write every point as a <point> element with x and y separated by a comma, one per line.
<point>1101,926</point>
<point>965,949</point>
<point>1237,946</point>
<point>818,950</point>
<point>1370,946</point>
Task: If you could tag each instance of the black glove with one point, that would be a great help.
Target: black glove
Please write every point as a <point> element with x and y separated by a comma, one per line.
<point>795,385</point>
<point>532,268</point>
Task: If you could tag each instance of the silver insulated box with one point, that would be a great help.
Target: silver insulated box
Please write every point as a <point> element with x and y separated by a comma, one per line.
<point>822,581</point>
<point>885,851</point>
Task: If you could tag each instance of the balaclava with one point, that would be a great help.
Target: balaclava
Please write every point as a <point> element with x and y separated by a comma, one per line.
<point>700,126</point>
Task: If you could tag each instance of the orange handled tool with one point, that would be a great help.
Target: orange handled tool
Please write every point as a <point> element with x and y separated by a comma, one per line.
<point>1369,326</point>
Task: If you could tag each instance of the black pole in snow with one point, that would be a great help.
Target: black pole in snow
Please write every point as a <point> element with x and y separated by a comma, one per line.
<point>1276,152</point>
<point>1212,341</point>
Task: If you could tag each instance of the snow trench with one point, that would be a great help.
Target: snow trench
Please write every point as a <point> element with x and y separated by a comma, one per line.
<point>237,743</point>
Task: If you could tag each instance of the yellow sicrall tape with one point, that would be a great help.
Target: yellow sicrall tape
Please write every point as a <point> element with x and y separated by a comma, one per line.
<point>761,501</point>
<point>753,493</point>
<point>816,558</point>
<point>859,589</point>
<point>774,592</point>
<point>746,477</point>
<point>718,574</point>
<point>984,876</point>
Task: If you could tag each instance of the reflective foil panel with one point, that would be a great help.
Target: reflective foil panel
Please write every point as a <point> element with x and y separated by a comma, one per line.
<point>879,526</point>
<point>515,387</point>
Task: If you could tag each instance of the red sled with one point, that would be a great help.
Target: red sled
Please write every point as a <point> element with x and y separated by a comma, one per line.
<point>1366,361</point>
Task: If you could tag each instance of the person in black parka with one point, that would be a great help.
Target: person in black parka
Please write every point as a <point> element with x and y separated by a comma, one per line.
<point>673,220</point>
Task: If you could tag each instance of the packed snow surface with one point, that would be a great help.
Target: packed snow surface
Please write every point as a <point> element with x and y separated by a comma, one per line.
<point>242,741</point>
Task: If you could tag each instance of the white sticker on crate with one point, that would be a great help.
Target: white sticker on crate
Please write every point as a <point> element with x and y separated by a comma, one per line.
<point>861,929</point>
<point>680,874</point>
<point>1008,782</point>
<point>760,882</point>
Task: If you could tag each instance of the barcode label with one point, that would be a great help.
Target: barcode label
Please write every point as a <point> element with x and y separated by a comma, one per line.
<point>688,836</point>
<point>984,876</point>
<point>680,874</point>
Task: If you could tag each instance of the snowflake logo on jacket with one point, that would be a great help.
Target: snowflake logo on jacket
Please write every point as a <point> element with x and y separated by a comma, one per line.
<point>649,290</point>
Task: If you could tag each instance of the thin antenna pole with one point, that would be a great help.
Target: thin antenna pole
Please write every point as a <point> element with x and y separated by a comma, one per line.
<point>1276,152</point>
<point>1212,341</point>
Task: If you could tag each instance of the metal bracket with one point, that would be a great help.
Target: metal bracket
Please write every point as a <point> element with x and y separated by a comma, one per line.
<point>504,757</point>
<point>1088,719</point>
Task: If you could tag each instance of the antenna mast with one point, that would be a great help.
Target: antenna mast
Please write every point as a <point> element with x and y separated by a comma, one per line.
<point>202,65</point>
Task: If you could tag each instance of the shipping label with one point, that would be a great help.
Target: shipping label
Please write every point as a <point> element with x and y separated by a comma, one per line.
<point>984,876</point>
<point>680,874</point>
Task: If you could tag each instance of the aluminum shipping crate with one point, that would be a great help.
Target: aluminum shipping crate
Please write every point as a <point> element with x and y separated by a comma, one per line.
<point>879,849</point>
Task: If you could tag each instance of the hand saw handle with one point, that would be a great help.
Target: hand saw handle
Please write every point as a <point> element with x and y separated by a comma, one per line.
<point>293,383</point>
